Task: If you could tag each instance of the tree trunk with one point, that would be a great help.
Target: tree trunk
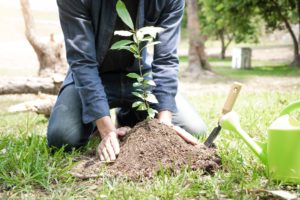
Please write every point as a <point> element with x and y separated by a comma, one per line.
<point>50,55</point>
<point>298,11</point>
<point>31,85</point>
<point>223,46</point>
<point>40,106</point>
<point>296,61</point>
<point>197,56</point>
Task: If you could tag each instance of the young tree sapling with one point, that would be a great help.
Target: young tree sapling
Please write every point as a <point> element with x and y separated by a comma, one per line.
<point>141,39</point>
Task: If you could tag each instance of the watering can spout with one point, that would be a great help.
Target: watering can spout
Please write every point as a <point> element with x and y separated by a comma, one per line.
<point>231,122</point>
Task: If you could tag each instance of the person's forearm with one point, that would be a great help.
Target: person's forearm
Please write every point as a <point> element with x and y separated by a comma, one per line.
<point>105,126</point>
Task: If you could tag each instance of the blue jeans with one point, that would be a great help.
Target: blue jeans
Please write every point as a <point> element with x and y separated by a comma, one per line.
<point>66,127</point>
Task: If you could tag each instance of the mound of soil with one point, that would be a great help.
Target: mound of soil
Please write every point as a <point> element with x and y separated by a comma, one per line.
<point>149,147</point>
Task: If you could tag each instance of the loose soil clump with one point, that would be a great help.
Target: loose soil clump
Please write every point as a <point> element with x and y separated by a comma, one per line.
<point>149,147</point>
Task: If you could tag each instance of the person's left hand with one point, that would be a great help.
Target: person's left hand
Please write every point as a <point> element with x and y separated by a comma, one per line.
<point>185,135</point>
<point>165,117</point>
<point>122,131</point>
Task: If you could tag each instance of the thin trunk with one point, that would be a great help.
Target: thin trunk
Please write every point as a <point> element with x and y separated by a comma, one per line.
<point>224,45</point>
<point>296,61</point>
<point>222,39</point>
<point>298,11</point>
<point>227,44</point>
<point>197,56</point>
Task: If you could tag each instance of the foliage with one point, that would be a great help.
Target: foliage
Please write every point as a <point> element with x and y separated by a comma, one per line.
<point>228,20</point>
<point>141,39</point>
<point>281,14</point>
<point>273,12</point>
<point>233,17</point>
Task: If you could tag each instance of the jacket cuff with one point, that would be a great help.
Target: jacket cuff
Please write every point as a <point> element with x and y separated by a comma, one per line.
<point>166,102</point>
<point>95,110</point>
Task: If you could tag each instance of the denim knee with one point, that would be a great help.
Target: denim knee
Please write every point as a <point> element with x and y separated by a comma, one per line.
<point>59,135</point>
<point>65,126</point>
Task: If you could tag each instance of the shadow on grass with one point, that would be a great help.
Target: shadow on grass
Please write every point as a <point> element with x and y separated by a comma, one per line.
<point>210,59</point>
<point>260,68</point>
<point>274,71</point>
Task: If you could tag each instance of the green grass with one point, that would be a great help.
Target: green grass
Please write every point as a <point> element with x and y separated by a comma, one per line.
<point>210,59</point>
<point>259,68</point>
<point>29,170</point>
<point>283,71</point>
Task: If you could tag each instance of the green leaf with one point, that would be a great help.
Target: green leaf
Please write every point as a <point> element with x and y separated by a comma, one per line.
<point>125,48</point>
<point>133,75</point>
<point>151,44</point>
<point>149,82</point>
<point>142,107</point>
<point>151,98</point>
<point>120,44</point>
<point>123,33</point>
<point>124,14</point>
<point>137,56</point>
<point>137,84</point>
<point>134,49</point>
<point>148,30</point>
<point>140,79</point>
<point>139,90</point>
<point>135,38</point>
<point>137,103</point>
<point>138,95</point>
<point>147,74</point>
<point>151,113</point>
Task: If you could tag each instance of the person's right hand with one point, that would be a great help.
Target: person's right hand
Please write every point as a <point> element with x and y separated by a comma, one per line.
<point>109,147</point>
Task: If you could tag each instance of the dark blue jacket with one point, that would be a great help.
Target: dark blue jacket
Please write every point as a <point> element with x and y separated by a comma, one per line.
<point>88,26</point>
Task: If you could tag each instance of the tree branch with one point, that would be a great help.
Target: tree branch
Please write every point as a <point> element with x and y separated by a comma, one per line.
<point>288,26</point>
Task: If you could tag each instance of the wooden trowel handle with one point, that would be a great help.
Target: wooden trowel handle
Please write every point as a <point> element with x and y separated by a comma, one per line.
<point>231,98</point>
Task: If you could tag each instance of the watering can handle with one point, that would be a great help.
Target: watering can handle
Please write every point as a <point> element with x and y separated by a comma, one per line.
<point>290,108</point>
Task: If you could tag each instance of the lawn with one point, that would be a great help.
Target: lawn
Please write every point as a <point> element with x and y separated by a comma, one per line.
<point>29,170</point>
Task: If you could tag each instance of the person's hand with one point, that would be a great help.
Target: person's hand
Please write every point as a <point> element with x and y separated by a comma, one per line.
<point>165,117</point>
<point>109,147</point>
<point>185,135</point>
<point>122,131</point>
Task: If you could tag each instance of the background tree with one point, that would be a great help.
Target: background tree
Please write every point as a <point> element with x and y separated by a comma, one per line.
<point>50,54</point>
<point>281,14</point>
<point>198,63</point>
<point>219,20</point>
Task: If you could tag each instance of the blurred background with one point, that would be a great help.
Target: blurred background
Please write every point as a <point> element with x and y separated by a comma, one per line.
<point>222,41</point>
<point>238,23</point>
<point>17,57</point>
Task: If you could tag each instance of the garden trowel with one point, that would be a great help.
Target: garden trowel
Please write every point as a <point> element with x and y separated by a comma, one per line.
<point>231,98</point>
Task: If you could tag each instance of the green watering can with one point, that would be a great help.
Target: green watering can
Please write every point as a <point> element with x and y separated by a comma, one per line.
<point>281,153</point>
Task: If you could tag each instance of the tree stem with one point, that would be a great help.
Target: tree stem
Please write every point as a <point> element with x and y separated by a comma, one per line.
<point>142,75</point>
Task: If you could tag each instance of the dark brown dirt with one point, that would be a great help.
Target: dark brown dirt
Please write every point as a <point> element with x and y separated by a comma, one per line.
<point>147,148</point>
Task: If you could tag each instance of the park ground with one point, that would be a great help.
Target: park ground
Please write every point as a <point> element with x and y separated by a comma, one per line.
<point>28,170</point>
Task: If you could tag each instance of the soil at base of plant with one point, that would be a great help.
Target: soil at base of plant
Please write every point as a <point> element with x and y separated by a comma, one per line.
<point>147,148</point>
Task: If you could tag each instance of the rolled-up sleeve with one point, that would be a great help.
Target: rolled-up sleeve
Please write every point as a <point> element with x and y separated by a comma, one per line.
<point>165,60</point>
<point>81,54</point>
